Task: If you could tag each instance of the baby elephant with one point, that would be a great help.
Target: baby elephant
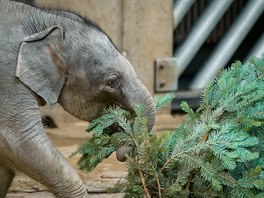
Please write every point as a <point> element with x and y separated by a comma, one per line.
<point>55,57</point>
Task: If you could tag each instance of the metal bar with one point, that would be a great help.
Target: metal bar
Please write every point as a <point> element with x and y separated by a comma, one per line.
<point>229,44</point>
<point>258,48</point>
<point>180,9</point>
<point>200,32</point>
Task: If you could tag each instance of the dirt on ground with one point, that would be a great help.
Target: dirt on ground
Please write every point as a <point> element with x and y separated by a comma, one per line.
<point>66,138</point>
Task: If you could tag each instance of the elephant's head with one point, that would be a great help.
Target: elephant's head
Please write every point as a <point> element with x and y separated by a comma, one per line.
<point>80,68</point>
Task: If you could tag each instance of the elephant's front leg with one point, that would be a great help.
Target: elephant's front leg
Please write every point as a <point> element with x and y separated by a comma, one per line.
<point>6,177</point>
<point>34,155</point>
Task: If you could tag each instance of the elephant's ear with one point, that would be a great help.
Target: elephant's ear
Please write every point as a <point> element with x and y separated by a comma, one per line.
<point>40,66</point>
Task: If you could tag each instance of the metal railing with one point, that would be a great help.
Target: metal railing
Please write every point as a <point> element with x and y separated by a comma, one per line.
<point>205,26</point>
<point>229,44</point>
<point>200,32</point>
<point>208,34</point>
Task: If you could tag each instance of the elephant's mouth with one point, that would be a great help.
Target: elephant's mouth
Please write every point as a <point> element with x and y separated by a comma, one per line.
<point>114,127</point>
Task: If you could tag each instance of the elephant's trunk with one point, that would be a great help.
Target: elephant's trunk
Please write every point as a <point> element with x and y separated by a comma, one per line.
<point>139,96</point>
<point>150,110</point>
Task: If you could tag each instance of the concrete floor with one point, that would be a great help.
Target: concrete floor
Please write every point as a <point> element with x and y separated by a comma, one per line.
<point>66,138</point>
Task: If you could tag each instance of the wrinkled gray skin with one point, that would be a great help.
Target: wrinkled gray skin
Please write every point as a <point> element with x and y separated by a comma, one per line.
<point>55,57</point>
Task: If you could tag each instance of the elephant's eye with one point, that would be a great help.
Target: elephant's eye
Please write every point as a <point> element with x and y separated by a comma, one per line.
<point>112,82</point>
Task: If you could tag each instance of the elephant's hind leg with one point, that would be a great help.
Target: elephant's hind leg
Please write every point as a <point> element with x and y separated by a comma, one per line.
<point>6,177</point>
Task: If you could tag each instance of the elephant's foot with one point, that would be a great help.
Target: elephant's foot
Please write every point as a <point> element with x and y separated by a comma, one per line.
<point>6,177</point>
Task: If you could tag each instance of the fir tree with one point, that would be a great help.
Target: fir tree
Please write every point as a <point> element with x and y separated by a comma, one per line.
<point>217,152</point>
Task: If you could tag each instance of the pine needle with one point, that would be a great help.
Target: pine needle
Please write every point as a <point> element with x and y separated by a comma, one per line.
<point>217,152</point>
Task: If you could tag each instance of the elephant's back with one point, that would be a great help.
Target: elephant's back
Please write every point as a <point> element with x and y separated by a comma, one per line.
<point>11,35</point>
<point>12,15</point>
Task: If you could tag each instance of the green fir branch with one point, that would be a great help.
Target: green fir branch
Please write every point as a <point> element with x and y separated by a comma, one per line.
<point>217,152</point>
